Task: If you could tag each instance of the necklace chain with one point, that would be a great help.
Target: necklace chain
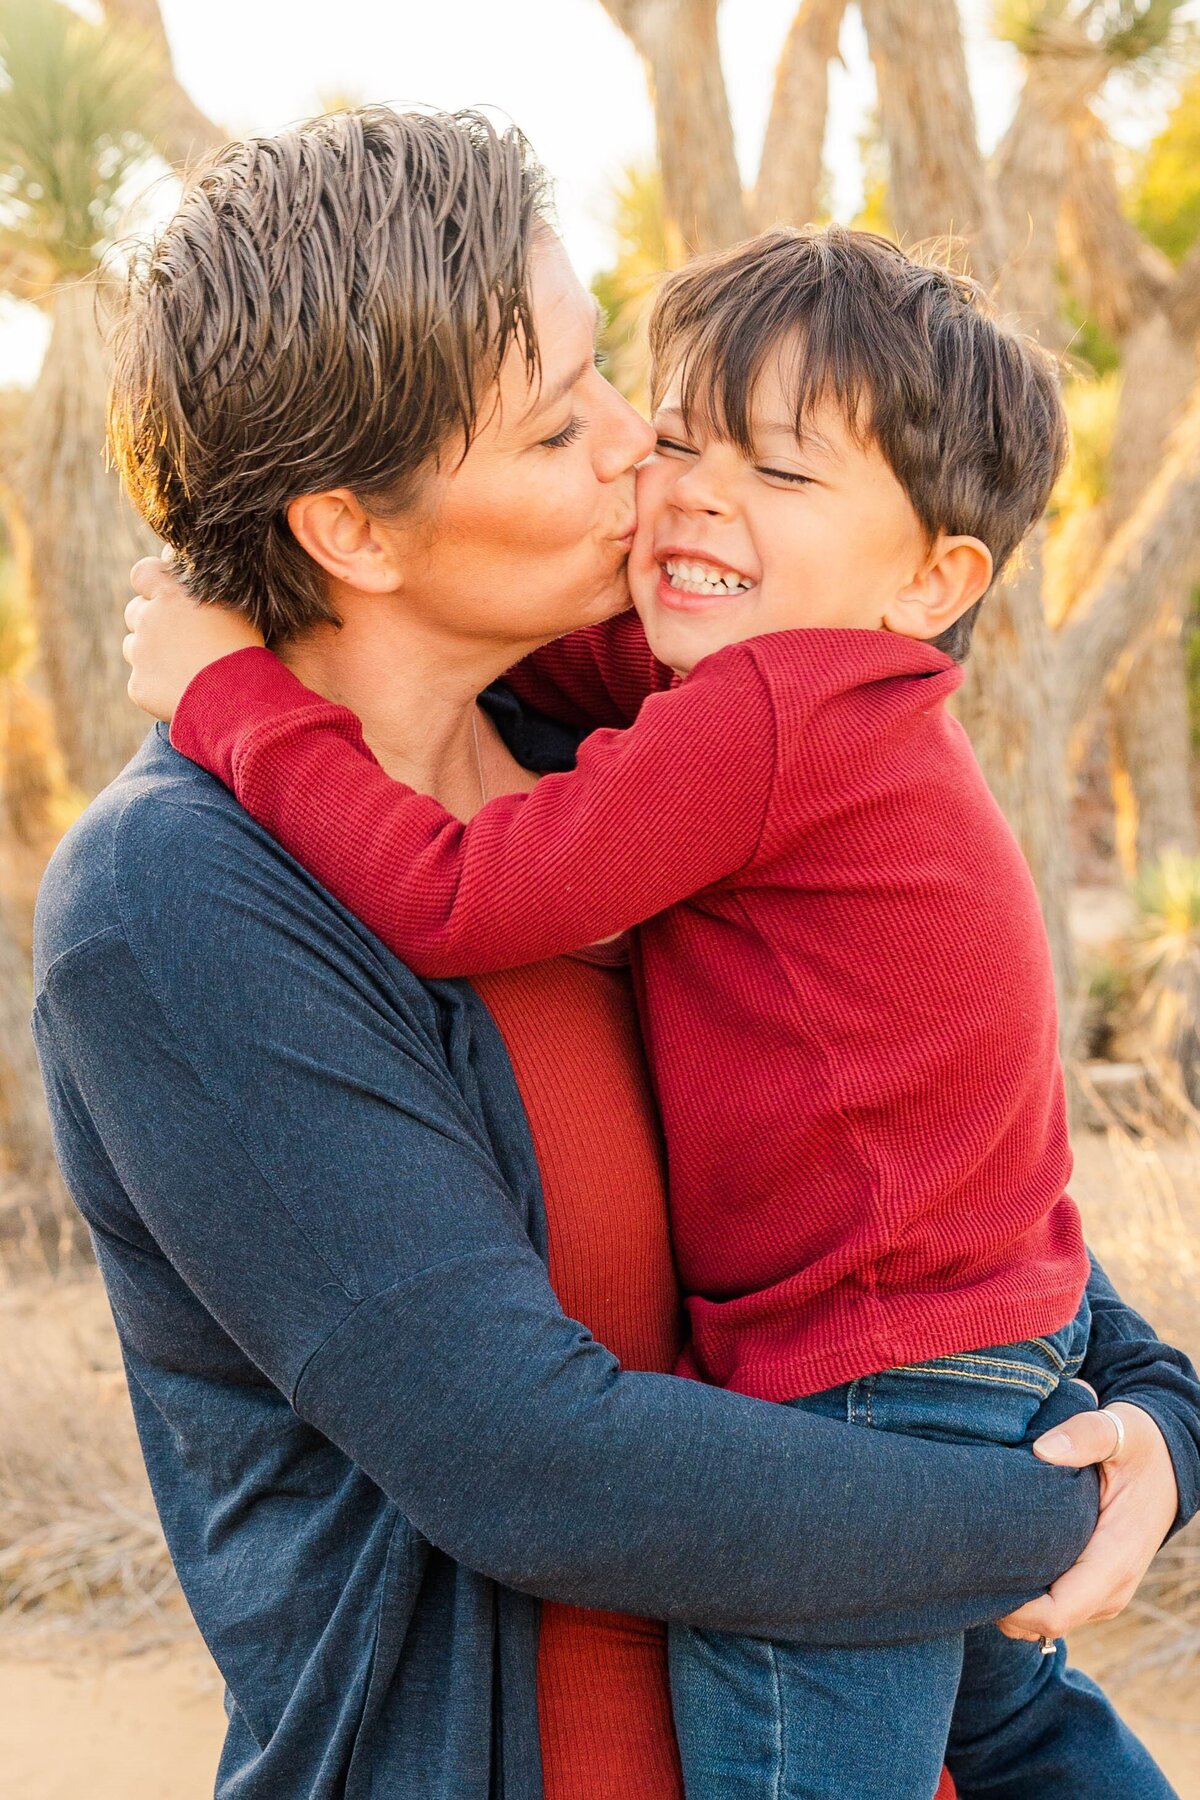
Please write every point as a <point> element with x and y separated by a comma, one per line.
<point>478,755</point>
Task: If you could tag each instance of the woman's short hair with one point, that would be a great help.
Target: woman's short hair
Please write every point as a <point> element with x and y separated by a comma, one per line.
<point>327,308</point>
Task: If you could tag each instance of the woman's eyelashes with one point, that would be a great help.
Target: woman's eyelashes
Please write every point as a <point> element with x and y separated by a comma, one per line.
<point>568,435</point>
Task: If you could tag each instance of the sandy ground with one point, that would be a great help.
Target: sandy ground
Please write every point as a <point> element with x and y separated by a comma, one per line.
<point>94,1724</point>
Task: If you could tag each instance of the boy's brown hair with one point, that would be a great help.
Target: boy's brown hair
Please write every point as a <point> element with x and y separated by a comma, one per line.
<point>966,411</point>
<point>326,309</point>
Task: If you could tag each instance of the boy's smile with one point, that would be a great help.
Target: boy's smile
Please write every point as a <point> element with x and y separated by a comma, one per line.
<point>811,531</point>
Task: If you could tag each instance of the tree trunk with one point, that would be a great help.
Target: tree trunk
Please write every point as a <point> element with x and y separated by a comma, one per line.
<point>26,779</point>
<point>1155,551</point>
<point>1012,712</point>
<point>1114,273</point>
<point>789,172</point>
<point>78,538</point>
<point>937,184</point>
<point>1152,751</point>
<point>702,191</point>
<point>1139,298</point>
<point>24,1127</point>
<point>1029,170</point>
<point>1151,730</point>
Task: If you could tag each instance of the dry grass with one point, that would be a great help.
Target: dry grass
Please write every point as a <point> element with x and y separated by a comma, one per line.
<point>80,1545</point>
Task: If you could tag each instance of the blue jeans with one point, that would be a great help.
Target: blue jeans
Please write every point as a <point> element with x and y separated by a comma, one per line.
<point>767,1721</point>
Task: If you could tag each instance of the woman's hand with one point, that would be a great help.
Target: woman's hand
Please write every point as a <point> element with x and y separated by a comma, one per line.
<point>1138,1503</point>
<point>171,637</point>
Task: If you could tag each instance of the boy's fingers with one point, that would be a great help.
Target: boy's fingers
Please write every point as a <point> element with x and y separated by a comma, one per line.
<point>150,576</point>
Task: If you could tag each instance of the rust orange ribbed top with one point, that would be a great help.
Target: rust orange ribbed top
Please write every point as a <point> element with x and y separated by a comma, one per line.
<point>571,1031</point>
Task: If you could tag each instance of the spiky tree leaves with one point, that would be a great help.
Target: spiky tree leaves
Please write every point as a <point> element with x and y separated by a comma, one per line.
<point>75,119</point>
<point>183,131</point>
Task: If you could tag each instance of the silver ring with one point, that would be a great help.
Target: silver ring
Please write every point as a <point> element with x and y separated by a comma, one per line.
<point>1119,1422</point>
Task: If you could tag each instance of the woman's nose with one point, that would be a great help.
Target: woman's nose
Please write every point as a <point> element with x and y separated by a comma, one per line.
<point>627,441</point>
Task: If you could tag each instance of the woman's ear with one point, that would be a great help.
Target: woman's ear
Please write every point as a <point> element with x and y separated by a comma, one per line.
<point>349,544</point>
<point>956,573</point>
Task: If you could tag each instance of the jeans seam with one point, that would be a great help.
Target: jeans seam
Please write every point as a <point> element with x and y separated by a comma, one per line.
<point>1060,1362</point>
<point>1031,1384</point>
<point>780,1739</point>
<point>977,1360</point>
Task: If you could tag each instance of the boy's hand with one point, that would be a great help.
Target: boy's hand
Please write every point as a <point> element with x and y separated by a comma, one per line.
<point>1138,1503</point>
<point>171,637</point>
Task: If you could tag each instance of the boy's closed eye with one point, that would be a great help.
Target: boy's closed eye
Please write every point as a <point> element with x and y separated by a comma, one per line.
<point>672,447</point>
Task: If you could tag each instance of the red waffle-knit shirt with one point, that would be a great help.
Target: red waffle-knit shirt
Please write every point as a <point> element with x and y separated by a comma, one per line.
<point>844,982</point>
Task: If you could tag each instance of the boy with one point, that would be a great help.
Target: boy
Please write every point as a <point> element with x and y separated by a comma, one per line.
<point>844,982</point>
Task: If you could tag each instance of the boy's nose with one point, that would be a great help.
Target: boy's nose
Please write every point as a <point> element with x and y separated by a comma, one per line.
<point>698,491</point>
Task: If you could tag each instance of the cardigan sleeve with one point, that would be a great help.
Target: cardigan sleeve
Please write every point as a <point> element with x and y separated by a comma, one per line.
<point>598,676</point>
<point>649,815</point>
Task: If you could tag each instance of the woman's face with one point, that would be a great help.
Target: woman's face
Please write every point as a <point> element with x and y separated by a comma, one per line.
<point>528,536</point>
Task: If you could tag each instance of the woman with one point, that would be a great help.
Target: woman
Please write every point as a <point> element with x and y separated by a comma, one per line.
<point>346,431</point>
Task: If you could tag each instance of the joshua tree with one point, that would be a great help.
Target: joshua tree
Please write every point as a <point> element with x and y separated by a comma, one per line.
<point>75,124</point>
<point>1029,687</point>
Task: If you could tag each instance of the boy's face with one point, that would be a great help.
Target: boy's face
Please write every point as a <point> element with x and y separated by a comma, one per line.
<point>812,533</point>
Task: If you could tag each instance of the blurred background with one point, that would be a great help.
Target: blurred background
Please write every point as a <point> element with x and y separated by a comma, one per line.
<point>1055,146</point>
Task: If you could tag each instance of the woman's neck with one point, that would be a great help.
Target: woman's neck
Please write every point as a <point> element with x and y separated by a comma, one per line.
<point>416,701</point>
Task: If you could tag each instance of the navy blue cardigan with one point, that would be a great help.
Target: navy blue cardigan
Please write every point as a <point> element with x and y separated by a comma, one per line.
<point>374,1438</point>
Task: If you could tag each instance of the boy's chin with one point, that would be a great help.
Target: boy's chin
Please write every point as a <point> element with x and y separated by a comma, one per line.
<point>670,640</point>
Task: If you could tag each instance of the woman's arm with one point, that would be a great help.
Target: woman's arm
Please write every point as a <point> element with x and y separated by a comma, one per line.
<point>1128,1361</point>
<point>273,1097</point>
<point>647,817</point>
<point>595,677</point>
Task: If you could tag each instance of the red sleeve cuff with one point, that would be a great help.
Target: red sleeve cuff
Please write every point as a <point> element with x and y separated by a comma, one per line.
<point>228,700</point>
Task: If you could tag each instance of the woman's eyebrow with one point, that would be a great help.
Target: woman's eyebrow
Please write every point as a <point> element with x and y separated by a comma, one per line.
<point>548,398</point>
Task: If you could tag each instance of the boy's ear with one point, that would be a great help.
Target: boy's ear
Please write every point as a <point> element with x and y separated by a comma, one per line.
<point>954,576</point>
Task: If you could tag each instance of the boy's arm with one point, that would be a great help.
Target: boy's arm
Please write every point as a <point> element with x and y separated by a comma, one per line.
<point>595,677</point>
<point>649,815</point>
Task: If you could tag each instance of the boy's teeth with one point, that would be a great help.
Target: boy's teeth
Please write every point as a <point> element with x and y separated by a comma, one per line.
<point>703,578</point>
